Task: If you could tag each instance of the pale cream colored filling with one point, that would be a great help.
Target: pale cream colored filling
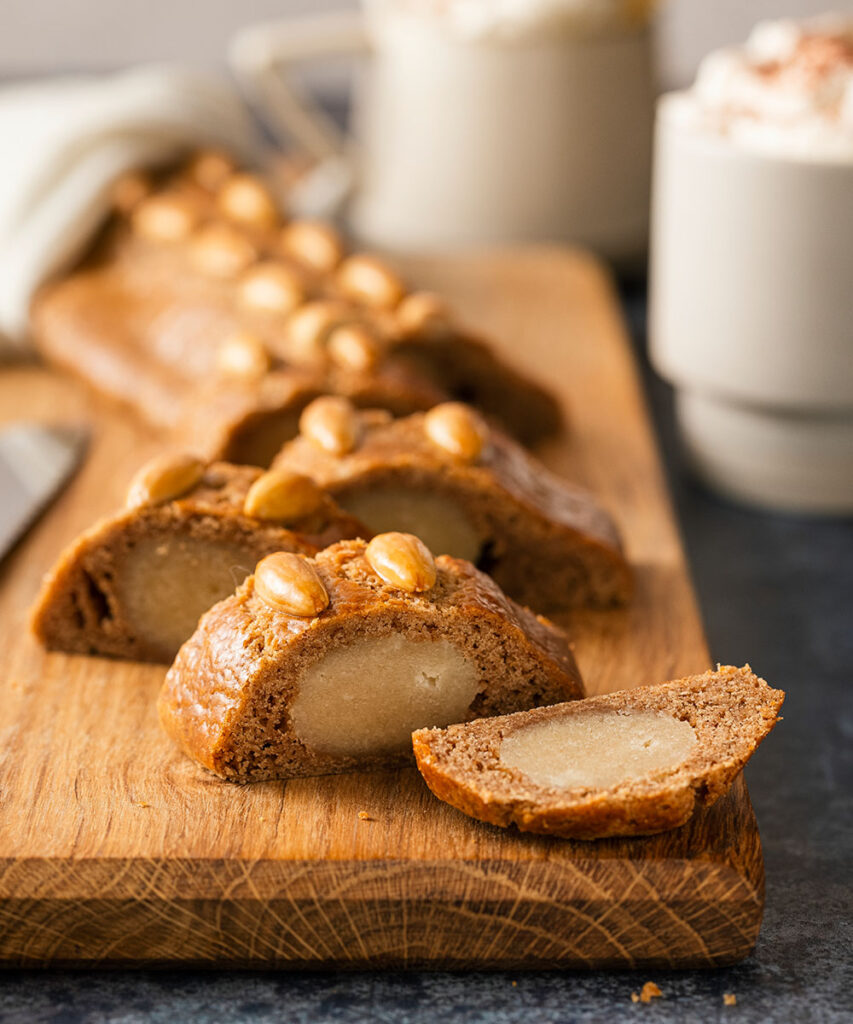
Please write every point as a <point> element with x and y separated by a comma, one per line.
<point>437,520</point>
<point>168,583</point>
<point>598,749</point>
<point>369,697</point>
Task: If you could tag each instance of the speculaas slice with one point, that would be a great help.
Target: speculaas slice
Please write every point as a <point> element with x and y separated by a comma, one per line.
<point>134,585</point>
<point>470,491</point>
<point>630,763</point>
<point>326,664</point>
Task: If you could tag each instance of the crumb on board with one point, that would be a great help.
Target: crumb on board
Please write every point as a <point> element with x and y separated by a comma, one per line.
<point>143,803</point>
<point>364,816</point>
<point>729,999</point>
<point>649,992</point>
<point>515,984</point>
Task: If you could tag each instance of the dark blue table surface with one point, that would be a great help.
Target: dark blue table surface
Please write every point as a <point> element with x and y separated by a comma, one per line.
<point>776,591</point>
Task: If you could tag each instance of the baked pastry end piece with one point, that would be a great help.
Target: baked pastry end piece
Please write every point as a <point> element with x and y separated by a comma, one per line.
<point>326,664</point>
<point>622,764</point>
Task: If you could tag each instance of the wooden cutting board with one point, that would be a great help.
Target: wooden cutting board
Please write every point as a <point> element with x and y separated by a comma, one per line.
<point>113,847</point>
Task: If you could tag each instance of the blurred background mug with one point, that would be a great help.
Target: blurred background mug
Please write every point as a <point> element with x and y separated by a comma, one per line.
<point>751,293</point>
<point>475,123</point>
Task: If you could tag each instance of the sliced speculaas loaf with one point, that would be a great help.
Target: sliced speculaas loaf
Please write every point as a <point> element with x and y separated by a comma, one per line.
<point>470,491</point>
<point>683,743</point>
<point>134,584</point>
<point>198,284</point>
<point>148,330</point>
<point>317,666</point>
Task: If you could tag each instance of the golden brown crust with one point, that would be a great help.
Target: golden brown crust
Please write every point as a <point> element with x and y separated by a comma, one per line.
<point>141,326</point>
<point>225,699</point>
<point>526,516</point>
<point>468,370</point>
<point>731,711</point>
<point>143,319</point>
<point>243,421</point>
<point>80,608</point>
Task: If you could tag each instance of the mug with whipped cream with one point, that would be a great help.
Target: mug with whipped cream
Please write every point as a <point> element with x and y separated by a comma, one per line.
<point>477,121</point>
<point>752,265</point>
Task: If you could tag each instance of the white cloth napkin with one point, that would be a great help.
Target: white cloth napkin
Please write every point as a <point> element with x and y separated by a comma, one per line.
<point>64,141</point>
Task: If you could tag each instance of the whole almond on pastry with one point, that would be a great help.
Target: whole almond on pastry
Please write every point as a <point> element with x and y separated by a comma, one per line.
<point>242,355</point>
<point>368,280</point>
<point>271,287</point>
<point>220,250</point>
<point>290,583</point>
<point>353,347</point>
<point>332,423</point>
<point>164,218</point>
<point>282,495</point>
<point>457,429</point>
<point>420,311</point>
<point>313,243</point>
<point>210,169</point>
<point>164,478</point>
<point>402,560</point>
<point>245,199</point>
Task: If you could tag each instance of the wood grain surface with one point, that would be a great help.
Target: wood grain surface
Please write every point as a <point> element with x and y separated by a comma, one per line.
<point>113,847</point>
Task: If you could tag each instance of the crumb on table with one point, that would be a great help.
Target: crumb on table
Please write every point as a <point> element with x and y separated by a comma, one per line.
<point>729,999</point>
<point>364,816</point>
<point>650,991</point>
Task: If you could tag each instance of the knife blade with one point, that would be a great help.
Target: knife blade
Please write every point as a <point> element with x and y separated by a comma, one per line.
<point>35,461</point>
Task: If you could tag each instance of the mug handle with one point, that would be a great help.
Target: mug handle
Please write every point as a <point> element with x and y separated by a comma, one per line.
<point>261,57</point>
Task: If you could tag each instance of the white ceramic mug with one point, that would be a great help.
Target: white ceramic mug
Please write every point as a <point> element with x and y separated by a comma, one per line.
<point>459,141</point>
<point>752,314</point>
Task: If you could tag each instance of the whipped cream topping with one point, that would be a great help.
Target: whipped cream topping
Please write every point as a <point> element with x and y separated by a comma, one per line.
<point>788,90</point>
<point>511,19</point>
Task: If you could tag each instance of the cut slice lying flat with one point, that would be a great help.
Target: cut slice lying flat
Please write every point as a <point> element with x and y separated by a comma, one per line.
<point>629,763</point>
<point>134,585</point>
<point>327,664</point>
